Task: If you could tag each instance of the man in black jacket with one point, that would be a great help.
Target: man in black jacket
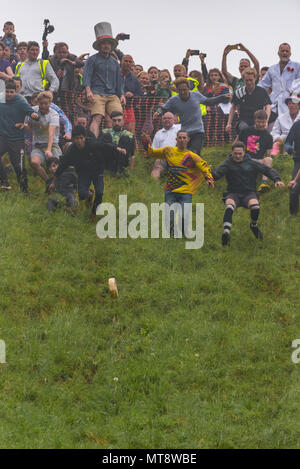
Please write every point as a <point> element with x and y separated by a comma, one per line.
<point>89,158</point>
<point>292,146</point>
<point>241,173</point>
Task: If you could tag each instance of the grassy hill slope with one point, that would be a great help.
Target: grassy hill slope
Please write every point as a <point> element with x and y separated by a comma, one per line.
<point>195,352</point>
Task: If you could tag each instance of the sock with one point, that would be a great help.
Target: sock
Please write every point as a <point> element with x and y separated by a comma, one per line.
<point>227,220</point>
<point>254,214</point>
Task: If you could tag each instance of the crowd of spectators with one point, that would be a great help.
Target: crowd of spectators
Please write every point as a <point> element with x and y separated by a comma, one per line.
<point>100,91</point>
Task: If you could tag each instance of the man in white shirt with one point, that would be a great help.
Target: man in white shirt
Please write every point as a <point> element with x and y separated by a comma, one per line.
<point>284,122</point>
<point>165,137</point>
<point>280,77</point>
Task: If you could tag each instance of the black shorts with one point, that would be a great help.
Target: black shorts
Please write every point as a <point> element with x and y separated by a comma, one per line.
<point>240,199</point>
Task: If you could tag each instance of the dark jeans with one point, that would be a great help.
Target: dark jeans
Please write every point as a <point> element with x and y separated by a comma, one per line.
<point>117,161</point>
<point>185,201</point>
<point>295,192</point>
<point>85,178</point>
<point>15,149</point>
<point>196,142</point>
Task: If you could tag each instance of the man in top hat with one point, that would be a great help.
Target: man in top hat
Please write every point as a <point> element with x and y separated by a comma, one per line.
<point>102,78</point>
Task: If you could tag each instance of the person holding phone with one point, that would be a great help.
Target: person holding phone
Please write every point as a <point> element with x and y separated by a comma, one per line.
<point>233,81</point>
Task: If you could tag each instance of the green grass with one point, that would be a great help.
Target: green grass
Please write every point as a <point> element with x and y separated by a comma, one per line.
<point>200,341</point>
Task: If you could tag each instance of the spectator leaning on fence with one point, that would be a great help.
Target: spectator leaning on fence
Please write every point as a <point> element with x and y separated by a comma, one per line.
<point>132,88</point>
<point>247,100</point>
<point>187,105</point>
<point>102,78</point>
<point>280,77</point>
<point>36,74</point>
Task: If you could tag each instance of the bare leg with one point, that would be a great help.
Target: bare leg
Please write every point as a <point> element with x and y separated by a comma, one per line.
<point>35,163</point>
<point>95,125</point>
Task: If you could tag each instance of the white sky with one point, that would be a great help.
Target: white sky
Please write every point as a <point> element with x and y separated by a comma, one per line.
<point>161,30</point>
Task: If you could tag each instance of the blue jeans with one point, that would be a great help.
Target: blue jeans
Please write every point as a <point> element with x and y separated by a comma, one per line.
<point>85,178</point>
<point>185,202</point>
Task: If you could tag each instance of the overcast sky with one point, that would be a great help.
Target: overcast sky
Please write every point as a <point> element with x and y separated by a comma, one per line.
<point>161,30</point>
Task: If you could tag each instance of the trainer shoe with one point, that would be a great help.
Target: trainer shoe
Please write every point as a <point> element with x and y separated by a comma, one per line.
<point>5,185</point>
<point>256,231</point>
<point>264,187</point>
<point>225,238</point>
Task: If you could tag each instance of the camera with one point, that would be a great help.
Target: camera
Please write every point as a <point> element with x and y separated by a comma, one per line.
<point>123,36</point>
<point>48,29</point>
<point>197,52</point>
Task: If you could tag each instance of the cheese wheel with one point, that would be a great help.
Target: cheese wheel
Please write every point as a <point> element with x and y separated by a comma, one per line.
<point>112,285</point>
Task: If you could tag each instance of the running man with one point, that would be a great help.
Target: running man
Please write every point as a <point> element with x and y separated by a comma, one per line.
<point>241,172</point>
<point>185,172</point>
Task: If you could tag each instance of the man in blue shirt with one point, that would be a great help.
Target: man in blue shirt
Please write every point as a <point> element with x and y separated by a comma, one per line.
<point>187,105</point>
<point>103,81</point>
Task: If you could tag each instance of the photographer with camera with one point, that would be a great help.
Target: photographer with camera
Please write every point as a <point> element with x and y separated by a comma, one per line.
<point>64,64</point>
<point>36,74</point>
<point>233,81</point>
<point>48,29</point>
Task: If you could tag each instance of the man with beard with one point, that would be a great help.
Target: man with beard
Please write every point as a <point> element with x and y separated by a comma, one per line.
<point>121,137</point>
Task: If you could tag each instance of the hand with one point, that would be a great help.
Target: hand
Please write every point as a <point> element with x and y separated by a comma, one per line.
<point>3,75</point>
<point>202,58</point>
<point>50,187</point>
<point>67,136</point>
<point>228,128</point>
<point>156,115</point>
<point>123,100</point>
<point>240,46</point>
<point>20,126</point>
<point>128,94</point>
<point>48,153</point>
<point>60,73</point>
<point>188,53</point>
<point>210,183</point>
<point>279,184</point>
<point>146,137</point>
<point>121,150</point>
<point>81,57</point>
<point>228,49</point>
<point>34,116</point>
<point>292,184</point>
<point>90,97</point>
